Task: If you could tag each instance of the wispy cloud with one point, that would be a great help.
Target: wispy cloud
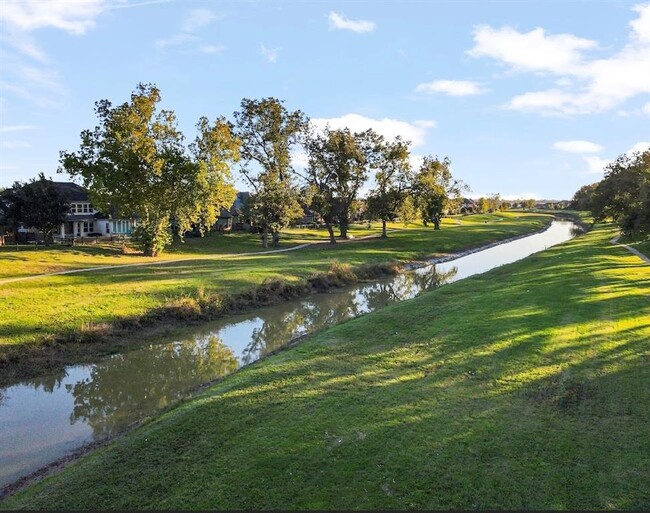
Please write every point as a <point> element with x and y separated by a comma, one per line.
<point>190,26</point>
<point>451,87</point>
<point>340,22</point>
<point>16,128</point>
<point>586,85</point>
<point>270,54</point>
<point>175,40</point>
<point>577,146</point>
<point>389,128</point>
<point>14,145</point>
<point>211,49</point>
<point>197,19</point>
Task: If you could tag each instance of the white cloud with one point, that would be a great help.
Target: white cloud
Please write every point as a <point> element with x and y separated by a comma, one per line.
<point>175,40</point>
<point>640,147</point>
<point>596,165</point>
<point>577,146</point>
<point>531,51</point>
<point>16,128</point>
<point>340,22</point>
<point>425,123</point>
<point>270,54</point>
<point>75,17</point>
<point>14,145</point>
<point>585,85</point>
<point>389,128</point>
<point>451,87</point>
<point>646,109</point>
<point>211,49</point>
<point>197,19</point>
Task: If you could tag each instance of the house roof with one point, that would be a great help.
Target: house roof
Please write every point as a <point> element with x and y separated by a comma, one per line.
<point>72,191</point>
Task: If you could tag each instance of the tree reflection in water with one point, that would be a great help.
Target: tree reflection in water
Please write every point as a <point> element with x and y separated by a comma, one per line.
<point>281,325</point>
<point>134,385</point>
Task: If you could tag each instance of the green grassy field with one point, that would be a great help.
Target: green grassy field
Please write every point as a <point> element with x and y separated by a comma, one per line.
<point>29,260</point>
<point>32,309</point>
<point>523,388</point>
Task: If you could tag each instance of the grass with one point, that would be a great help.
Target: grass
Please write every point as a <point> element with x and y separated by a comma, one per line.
<point>523,388</point>
<point>34,311</point>
<point>28,260</point>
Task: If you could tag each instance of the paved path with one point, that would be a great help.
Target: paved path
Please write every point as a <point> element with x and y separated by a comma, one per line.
<point>142,264</point>
<point>631,250</point>
<point>173,261</point>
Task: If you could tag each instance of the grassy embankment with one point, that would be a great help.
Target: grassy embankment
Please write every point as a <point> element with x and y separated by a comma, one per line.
<point>525,387</point>
<point>51,321</point>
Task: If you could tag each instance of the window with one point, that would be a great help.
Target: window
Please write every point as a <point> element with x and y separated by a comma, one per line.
<point>89,227</point>
<point>85,208</point>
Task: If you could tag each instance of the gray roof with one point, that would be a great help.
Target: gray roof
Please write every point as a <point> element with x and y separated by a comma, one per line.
<point>72,191</point>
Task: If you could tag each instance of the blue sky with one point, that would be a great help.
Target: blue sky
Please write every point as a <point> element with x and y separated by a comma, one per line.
<point>528,99</point>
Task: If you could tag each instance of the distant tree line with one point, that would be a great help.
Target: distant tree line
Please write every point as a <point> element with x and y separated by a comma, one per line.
<point>623,195</point>
<point>136,162</point>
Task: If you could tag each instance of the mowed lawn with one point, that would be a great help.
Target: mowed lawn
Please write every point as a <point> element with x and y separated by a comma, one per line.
<point>31,309</point>
<point>523,388</point>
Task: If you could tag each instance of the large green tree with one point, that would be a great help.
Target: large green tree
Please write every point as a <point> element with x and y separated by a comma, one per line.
<point>583,198</point>
<point>268,132</point>
<point>338,168</point>
<point>392,181</point>
<point>624,194</point>
<point>435,190</point>
<point>36,204</point>
<point>135,163</point>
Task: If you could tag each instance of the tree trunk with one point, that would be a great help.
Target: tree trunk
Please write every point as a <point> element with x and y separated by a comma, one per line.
<point>384,235</point>
<point>436,223</point>
<point>343,227</point>
<point>276,239</point>
<point>148,250</point>
<point>330,230</point>
<point>265,237</point>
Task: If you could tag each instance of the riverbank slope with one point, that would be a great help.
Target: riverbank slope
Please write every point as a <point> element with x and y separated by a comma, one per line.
<point>525,387</point>
<point>53,321</point>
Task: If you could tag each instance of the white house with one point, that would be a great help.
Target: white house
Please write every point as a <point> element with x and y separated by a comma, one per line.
<point>84,220</point>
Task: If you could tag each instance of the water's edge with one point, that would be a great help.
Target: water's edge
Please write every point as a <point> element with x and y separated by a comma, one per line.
<point>85,448</point>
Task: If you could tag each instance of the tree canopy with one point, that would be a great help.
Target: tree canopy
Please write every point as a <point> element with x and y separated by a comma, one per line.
<point>337,169</point>
<point>135,163</point>
<point>36,204</point>
<point>268,132</point>
<point>435,190</point>
<point>624,194</point>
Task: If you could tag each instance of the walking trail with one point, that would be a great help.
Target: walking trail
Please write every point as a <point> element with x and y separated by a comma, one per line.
<point>173,261</point>
<point>631,250</point>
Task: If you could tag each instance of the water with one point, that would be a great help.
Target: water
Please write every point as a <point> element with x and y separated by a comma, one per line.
<point>45,418</point>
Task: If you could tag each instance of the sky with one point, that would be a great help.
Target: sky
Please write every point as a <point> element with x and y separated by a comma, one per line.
<point>529,99</point>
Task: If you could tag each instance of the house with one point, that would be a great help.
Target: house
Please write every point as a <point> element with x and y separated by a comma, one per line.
<point>235,218</point>
<point>83,220</point>
<point>467,206</point>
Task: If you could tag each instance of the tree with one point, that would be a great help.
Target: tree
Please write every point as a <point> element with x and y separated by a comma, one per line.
<point>583,198</point>
<point>624,194</point>
<point>392,178</point>
<point>338,167</point>
<point>529,203</point>
<point>135,163</point>
<point>38,204</point>
<point>435,190</point>
<point>494,202</point>
<point>268,131</point>
<point>483,205</point>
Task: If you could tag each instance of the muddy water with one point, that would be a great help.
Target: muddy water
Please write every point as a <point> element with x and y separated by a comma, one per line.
<point>46,418</point>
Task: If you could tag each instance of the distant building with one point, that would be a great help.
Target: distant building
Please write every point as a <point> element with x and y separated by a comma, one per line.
<point>235,217</point>
<point>83,220</point>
